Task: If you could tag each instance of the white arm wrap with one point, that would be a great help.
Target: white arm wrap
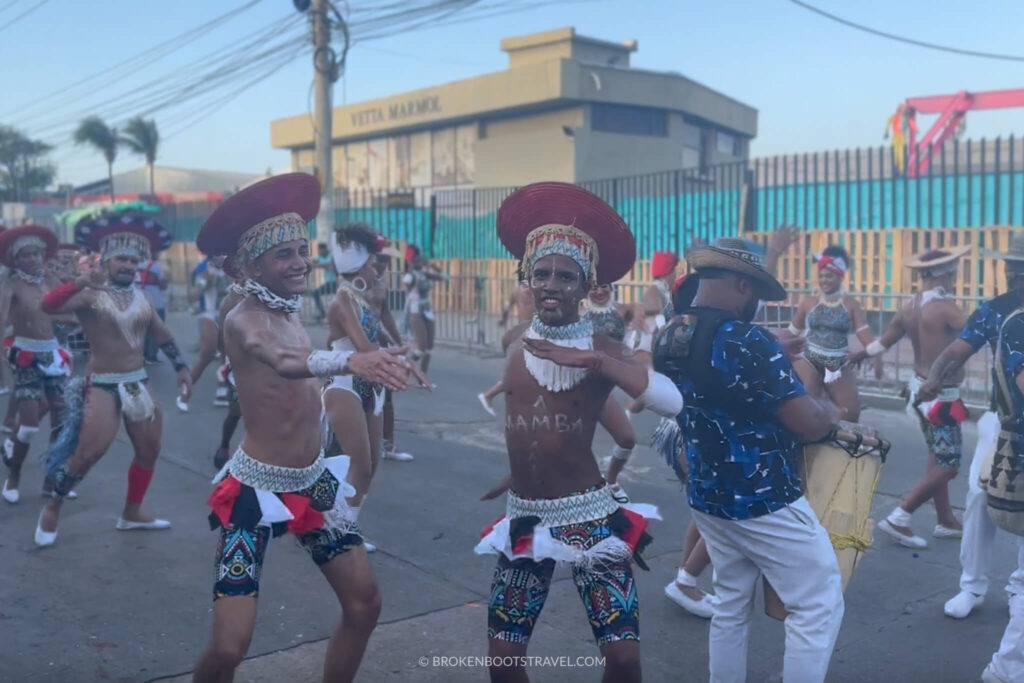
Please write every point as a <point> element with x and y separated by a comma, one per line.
<point>794,331</point>
<point>875,348</point>
<point>328,363</point>
<point>661,396</point>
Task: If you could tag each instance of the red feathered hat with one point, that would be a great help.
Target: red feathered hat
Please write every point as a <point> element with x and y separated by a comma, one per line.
<point>12,240</point>
<point>663,263</point>
<point>263,215</point>
<point>124,232</point>
<point>549,217</point>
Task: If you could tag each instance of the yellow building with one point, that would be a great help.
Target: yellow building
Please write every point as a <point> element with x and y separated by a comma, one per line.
<point>567,108</point>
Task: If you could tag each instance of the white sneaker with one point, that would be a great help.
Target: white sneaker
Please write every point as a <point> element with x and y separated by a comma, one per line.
<point>703,608</point>
<point>182,404</point>
<point>896,535</point>
<point>10,495</point>
<point>962,604</point>
<point>221,403</point>
<point>397,455</point>
<point>618,493</point>
<point>125,525</point>
<point>487,405</point>
<point>44,538</point>
<point>50,494</point>
<point>370,548</point>
<point>8,449</point>
<point>945,532</point>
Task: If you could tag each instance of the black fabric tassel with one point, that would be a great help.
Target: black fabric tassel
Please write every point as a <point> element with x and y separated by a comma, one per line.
<point>619,524</point>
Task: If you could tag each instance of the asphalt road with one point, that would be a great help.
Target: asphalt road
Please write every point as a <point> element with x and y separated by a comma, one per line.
<point>106,605</point>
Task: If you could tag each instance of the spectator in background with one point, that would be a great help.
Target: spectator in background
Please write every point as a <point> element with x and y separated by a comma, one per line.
<point>153,281</point>
<point>328,279</point>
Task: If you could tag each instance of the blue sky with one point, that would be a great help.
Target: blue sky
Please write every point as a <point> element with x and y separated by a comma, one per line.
<point>817,84</point>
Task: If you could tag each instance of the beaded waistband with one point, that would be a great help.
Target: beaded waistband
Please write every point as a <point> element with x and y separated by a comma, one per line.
<point>35,345</point>
<point>273,478</point>
<point>118,377</point>
<point>573,509</point>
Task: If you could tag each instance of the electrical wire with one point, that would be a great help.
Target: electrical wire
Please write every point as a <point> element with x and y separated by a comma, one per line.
<point>908,41</point>
<point>24,14</point>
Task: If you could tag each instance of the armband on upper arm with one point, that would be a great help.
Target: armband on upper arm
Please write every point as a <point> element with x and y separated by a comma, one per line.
<point>661,396</point>
<point>325,364</point>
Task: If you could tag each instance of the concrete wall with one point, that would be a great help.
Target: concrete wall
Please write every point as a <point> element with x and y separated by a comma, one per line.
<point>520,158</point>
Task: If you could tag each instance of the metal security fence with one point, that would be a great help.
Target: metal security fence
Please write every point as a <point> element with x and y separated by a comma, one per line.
<point>468,311</point>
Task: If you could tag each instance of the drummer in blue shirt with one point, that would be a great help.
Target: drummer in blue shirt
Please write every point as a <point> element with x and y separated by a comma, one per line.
<point>745,419</point>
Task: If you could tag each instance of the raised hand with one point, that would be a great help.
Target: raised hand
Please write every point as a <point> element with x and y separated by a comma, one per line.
<point>783,237</point>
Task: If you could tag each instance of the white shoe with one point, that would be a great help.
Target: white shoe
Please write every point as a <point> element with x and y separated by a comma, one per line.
<point>892,532</point>
<point>8,449</point>
<point>703,608</point>
<point>989,676</point>
<point>220,403</point>
<point>125,525</point>
<point>487,405</point>
<point>945,532</point>
<point>222,392</point>
<point>182,404</point>
<point>44,538</point>
<point>962,604</point>
<point>10,495</point>
<point>618,493</point>
<point>397,455</point>
<point>370,548</point>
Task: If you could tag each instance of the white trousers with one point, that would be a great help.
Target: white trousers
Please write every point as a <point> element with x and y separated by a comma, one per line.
<point>978,541</point>
<point>1008,663</point>
<point>793,551</point>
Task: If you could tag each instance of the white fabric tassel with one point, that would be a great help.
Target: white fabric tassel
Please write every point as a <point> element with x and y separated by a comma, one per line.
<point>137,408</point>
<point>832,376</point>
<point>551,376</point>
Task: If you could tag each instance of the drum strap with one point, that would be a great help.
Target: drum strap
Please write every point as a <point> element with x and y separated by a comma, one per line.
<point>688,343</point>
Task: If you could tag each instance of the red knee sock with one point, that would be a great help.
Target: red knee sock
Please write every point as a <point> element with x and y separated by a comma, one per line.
<point>138,482</point>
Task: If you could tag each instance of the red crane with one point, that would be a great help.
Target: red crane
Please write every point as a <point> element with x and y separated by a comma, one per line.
<point>951,110</point>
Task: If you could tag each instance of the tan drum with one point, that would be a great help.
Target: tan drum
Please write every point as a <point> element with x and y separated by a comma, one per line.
<point>840,476</point>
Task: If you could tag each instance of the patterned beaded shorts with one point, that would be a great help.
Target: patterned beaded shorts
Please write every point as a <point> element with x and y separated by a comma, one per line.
<point>248,517</point>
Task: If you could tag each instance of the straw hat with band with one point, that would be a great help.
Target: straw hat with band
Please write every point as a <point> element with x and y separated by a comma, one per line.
<point>561,218</point>
<point>125,234</point>
<point>938,262</point>
<point>15,239</point>
<point>738,256</point>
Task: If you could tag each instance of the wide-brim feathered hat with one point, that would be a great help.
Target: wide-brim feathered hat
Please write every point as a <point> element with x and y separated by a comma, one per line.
<point>13,240</point>
<point>1014,253</point>
<point>737,256</point>
<point>549,217</point>
<point>126,233</point>
<point>936,258</point>
<point>261,216</point>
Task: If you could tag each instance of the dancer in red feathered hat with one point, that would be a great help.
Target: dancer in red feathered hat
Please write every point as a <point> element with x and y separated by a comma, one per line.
<point>558,377</point>
<point>279,480</point>
<point>116,316</point>
<point>41,367</point>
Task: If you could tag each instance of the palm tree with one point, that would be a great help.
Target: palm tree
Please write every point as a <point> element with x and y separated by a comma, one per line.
<point>142,137</point>
<point>94,131</point>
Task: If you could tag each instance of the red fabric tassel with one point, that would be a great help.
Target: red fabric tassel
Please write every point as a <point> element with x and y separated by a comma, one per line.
<point>25,358</point>
<point>637,526</point>
<point>9,342</point>
<point>947,413</point>
<point>522,544</point>
<point>306,519</point>
<point>222,499</point>
<point>63,353</point>
<point>138,482</point>
<point>58,296</point>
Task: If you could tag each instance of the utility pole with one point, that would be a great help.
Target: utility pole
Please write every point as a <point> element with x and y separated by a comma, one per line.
<point>325,72</point>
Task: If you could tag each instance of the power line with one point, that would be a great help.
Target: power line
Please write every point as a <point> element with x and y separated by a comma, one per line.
<point>909,41</point>
<point>136,62</point>
<point>24,14</point>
